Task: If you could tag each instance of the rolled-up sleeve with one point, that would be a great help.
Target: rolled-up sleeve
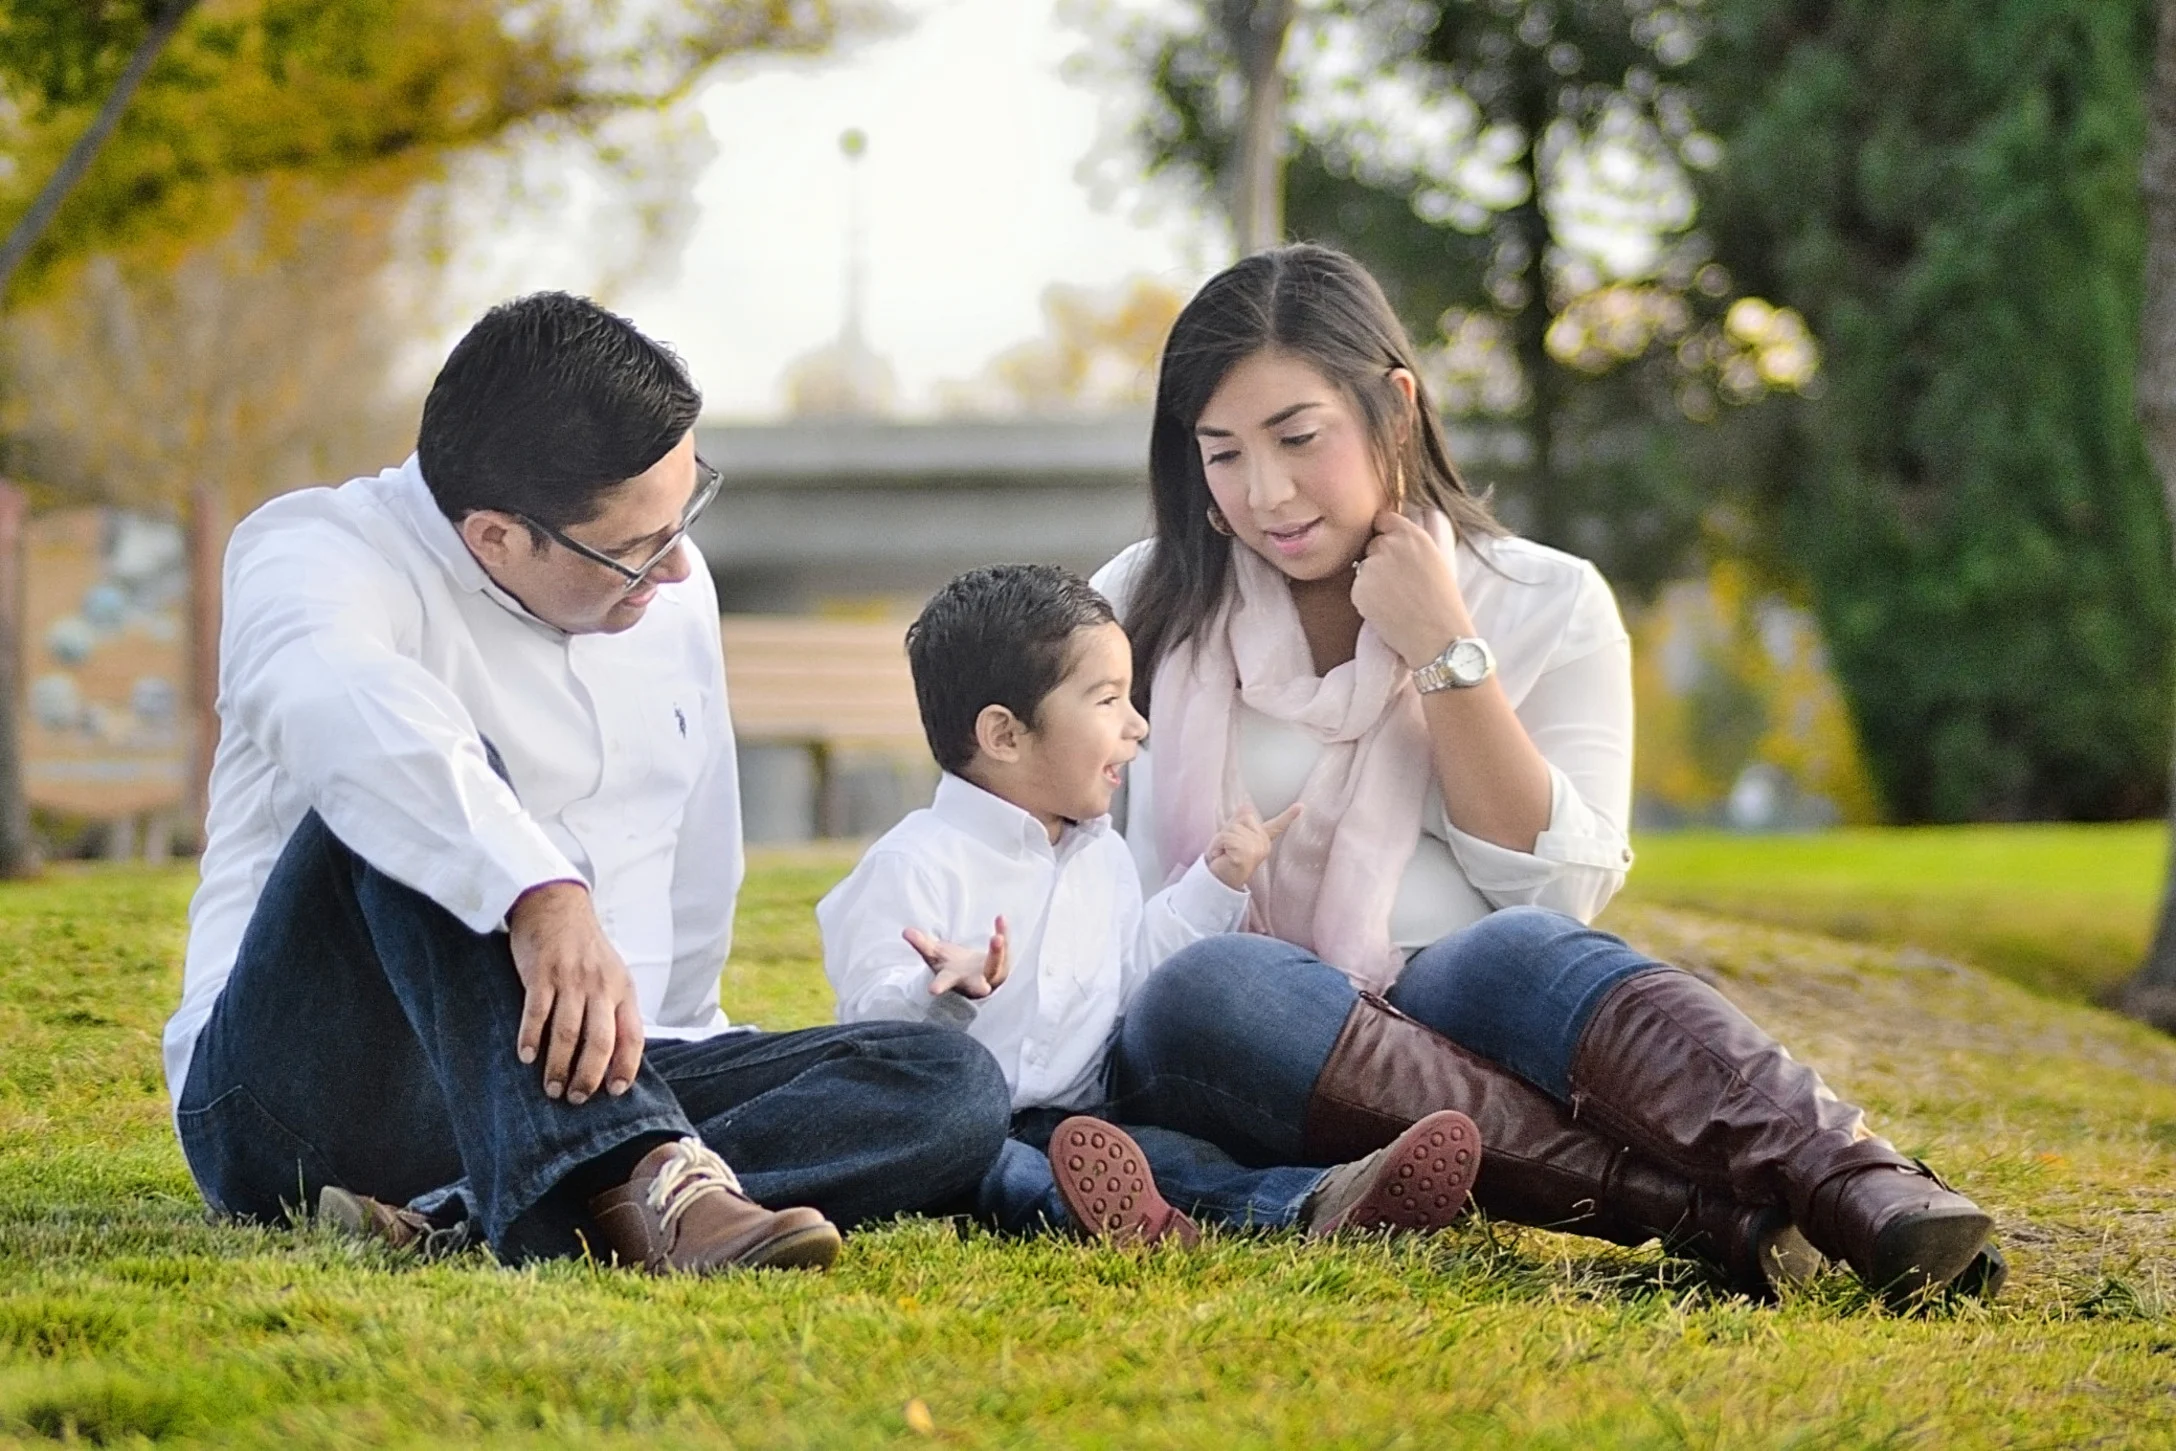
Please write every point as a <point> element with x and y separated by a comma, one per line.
<point>1579,716</point>
<point>312,669</point>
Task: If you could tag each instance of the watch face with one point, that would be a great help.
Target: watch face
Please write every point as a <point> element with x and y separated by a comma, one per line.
<point>1468,663</point>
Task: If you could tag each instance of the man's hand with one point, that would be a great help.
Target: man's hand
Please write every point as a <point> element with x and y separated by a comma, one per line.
<point>970,972</point>
<point>580,1004</point>
<point>1244,844</point>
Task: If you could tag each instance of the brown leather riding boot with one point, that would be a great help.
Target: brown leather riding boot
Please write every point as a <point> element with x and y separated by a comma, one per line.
<point>682,1212</point>
<point>1538,1166</point>
<point>1667,1063</point>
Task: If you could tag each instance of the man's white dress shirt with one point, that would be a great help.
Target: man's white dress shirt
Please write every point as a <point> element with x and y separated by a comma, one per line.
<point>1081,938</point>
<point>365,657</point>
<point>1566,665</point>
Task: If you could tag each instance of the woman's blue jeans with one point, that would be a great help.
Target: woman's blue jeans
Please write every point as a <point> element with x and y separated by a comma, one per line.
<point>1227,1038</point>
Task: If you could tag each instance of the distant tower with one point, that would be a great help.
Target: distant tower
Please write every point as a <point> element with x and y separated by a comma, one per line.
<point>853,145</point>
<point>846,377</point>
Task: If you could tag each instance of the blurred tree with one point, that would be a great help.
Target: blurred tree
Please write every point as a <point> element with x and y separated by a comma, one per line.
<point>1948,191</point>
<point>334,88</point>
<point>1727,676</point>
<point>1255,32</point>
<point>2151,993</point>
<point>218,311</point>
<point>1515,172</point>
<point>1098,352</point>
<point>50,44</point>
<point>45,49</point>
<point>844,378</point>
<point>258,359</point>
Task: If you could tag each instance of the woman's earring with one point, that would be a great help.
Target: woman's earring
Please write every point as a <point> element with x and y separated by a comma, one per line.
<point>1218,522</point>
<point>1397,486</point>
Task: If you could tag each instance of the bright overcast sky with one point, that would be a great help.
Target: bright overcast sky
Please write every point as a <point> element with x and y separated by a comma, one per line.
<point>973,206</point>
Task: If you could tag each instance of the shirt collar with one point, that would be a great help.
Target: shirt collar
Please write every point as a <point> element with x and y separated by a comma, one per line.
<point>998,823</point>
<point>444,543</point>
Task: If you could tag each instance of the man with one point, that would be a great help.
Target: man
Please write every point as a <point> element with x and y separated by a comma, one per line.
<point>473,849</point>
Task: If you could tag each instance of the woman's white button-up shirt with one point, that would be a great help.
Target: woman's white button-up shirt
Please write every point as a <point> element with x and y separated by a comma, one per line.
<point>1565,662</point>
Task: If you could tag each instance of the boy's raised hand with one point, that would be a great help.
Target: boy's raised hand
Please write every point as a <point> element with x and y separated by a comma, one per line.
<point>1244,844</point>
<point>970,972</point>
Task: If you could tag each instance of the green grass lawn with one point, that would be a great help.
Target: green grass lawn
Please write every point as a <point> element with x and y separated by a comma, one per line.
<point>2066,910</point>
<point>125,1318</point>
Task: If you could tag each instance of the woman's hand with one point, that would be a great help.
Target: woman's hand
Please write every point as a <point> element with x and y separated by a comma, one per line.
<point>1404,587</point>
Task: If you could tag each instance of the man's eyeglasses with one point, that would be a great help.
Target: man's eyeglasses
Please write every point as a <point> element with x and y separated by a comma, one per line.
<point>707,483</point>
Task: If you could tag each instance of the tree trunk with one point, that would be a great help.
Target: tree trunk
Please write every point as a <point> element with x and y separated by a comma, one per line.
<point>1530,327</point>
<point>18,849</point>
<point>32,224</point>
<point>2151,994</point>
<point>1256,29</point>
<point>207,555</point>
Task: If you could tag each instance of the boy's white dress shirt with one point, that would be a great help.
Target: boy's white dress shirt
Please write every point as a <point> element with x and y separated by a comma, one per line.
<point>1082,940</point>
<point>364,658</point>
<point>1564,660</point>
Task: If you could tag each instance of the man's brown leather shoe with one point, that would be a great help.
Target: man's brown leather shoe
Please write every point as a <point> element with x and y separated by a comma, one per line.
<point>399,1229</point>
<point>683,1212</point>
<point>1104,1181</point>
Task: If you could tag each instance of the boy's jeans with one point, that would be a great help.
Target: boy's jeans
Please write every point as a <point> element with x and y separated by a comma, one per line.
<point>366,1039</point>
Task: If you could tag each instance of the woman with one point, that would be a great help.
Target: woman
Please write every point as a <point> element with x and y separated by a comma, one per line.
<point>1327,616</point>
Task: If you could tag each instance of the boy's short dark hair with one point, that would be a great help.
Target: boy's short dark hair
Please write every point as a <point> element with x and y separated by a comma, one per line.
<point>546,405</point>
<point>999,635</point>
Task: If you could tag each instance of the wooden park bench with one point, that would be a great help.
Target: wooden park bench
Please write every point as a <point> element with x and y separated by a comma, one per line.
<point>830,740</point>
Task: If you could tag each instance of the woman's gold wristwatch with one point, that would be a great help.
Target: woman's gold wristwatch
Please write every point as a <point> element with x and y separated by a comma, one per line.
<point>1463,664</point>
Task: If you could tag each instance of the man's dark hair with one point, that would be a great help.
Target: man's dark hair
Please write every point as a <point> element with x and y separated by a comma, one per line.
<point>999,635</point>
<point>546,405</point>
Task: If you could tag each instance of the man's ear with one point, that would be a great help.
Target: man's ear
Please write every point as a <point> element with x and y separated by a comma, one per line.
<point>999,733</point>
<point>493,537</point>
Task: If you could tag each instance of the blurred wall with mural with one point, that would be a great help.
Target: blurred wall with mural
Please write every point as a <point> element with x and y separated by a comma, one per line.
<point>105,731</point>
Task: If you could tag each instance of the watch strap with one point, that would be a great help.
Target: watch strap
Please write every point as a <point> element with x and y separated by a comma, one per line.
<point>1438,673</point>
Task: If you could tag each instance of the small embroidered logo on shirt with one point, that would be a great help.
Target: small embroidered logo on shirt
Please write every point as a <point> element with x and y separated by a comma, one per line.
<point>683,720</point>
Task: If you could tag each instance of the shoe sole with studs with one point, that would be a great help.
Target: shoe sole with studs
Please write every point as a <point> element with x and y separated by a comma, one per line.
<point>1424,1181</point>
<point>1105,1184</point>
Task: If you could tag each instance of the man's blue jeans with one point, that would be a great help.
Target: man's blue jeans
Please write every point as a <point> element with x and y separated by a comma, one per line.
<point>366,1039</point>
<point>1227,1038</point>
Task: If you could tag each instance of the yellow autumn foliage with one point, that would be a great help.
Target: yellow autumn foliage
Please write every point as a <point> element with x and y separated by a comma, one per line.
<point>1726,676</point>
<point>372,93</point>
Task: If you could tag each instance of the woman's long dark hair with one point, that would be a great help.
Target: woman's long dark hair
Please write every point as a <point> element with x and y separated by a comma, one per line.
<point>1318,305</point>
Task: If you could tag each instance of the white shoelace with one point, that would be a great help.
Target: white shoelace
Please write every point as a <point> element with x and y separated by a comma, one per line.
<point>687,1176</point>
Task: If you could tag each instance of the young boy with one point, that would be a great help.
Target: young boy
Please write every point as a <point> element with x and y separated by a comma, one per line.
<point>1024,680</point>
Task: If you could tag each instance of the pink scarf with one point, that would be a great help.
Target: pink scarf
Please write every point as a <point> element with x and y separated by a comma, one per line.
<point>1330,880</point>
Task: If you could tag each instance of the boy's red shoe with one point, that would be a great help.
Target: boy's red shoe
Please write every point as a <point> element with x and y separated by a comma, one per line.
<point>1104,1181</point>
